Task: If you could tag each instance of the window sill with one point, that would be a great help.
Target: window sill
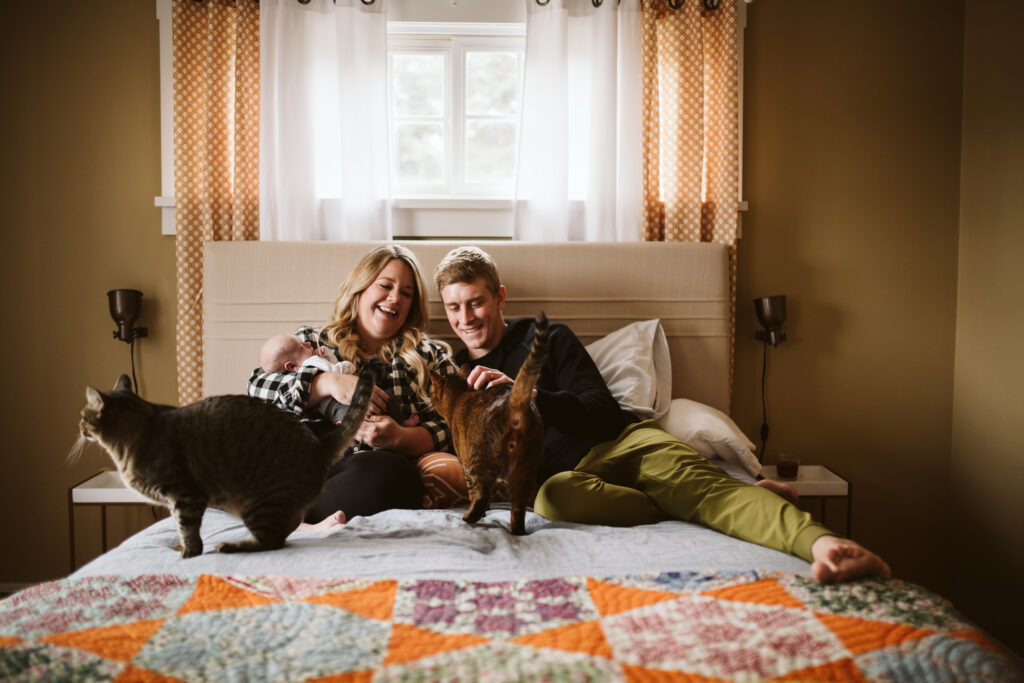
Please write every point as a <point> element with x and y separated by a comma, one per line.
<point>451,217</point>
<point>167,220</point>
<point>451,203</point>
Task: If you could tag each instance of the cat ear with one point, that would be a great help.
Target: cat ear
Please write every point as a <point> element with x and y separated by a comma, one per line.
<point>464,371</point>
<point>123,384</point>
<point>93,396</point>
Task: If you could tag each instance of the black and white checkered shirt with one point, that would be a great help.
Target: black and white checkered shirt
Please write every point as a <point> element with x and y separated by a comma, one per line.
<point>290,390</point>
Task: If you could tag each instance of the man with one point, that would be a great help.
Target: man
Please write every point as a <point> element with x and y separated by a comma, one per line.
<point>600,465</point>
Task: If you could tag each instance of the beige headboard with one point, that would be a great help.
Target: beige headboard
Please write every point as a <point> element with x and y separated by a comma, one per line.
<point>254,289</point>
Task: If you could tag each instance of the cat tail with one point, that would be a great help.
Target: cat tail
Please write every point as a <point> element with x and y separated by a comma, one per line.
<point>529,373</point>
<point>337,441</point>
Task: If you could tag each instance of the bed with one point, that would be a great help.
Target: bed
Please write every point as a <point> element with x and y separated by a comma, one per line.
<point>419,595</point>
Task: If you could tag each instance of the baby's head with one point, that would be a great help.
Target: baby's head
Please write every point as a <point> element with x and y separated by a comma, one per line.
<point>284,352</point>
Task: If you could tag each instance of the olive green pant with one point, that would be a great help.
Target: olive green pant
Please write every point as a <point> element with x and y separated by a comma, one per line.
<point>647,475</point>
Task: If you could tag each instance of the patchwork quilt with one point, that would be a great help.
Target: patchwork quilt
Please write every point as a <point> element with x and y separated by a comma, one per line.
<point>691,626</point>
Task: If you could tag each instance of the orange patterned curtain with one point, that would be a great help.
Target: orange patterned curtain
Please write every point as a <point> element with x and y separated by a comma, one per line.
<point>216,152</point>
<point>691,126</point>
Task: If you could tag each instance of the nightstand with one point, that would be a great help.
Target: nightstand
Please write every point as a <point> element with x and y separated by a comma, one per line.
<point>817,482</point>
<point>103,488</point>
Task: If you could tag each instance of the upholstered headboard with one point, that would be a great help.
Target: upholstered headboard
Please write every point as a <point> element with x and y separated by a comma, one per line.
<point>254,289</point>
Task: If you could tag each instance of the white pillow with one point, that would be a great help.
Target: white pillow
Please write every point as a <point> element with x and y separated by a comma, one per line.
<point>711,433</point>
<point>635,364</point>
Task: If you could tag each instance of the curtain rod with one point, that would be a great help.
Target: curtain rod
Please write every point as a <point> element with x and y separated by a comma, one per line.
<point>674,4</point>
<point>306,2</point>
<point>710,5</point>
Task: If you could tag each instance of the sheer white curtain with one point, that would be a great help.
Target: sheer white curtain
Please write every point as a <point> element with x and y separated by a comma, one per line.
<point>580,174</point>
<point>323,121</point>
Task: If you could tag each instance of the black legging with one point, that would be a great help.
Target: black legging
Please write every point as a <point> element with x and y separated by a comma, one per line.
<point>368,482</point>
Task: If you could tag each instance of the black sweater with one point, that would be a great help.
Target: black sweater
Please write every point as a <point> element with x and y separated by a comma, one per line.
<point>578,410</point>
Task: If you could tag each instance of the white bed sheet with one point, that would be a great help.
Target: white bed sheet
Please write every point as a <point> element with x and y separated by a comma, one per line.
<point>438,544</point>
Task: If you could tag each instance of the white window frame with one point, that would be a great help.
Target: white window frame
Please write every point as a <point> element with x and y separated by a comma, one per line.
<point>454,41</point>
<point>492,44</point>
<point>441,48</point>
<point>165,201</point>
<point>457,210</point>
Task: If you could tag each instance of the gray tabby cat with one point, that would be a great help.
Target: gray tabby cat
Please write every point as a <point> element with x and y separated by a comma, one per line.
<point>235,452</point>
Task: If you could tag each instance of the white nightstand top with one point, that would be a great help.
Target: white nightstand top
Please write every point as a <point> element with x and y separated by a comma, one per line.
<point>812,480</point>
<point>106,487</point>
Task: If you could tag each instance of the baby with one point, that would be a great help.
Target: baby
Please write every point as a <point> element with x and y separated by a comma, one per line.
<point>288,353</point>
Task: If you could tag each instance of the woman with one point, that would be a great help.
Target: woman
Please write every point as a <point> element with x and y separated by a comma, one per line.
<point>380,313</point>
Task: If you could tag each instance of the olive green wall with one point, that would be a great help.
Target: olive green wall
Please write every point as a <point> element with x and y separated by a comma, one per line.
<point>988,431</point>
<point>853,173</point>
<point>80,167</point>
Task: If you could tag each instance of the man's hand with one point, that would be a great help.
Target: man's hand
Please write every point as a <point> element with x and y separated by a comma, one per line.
<point>483,378</point>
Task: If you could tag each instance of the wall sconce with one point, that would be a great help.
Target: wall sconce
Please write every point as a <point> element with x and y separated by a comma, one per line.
<point>771,313</point>
<point>125,305</point>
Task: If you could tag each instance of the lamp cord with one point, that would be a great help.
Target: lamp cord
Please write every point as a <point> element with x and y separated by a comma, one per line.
<point>764,405</point>
<point>131,356</point>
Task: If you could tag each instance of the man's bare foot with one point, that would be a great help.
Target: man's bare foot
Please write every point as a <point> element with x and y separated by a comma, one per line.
<point>329,522</point>
<point>780,488</point>
<point>838,560</point>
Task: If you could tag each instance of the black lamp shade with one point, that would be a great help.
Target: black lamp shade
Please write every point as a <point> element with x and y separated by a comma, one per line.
<point>125,305</point>
<point>771,313</point>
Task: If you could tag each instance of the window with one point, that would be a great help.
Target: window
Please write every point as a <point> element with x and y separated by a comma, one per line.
<point>455,129</point>
<point>454,98</point>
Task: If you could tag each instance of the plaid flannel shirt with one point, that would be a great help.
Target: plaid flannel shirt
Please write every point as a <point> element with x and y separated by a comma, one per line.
<point>290,390</point>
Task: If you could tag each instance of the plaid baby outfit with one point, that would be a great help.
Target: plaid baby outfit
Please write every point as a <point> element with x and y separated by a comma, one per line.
<point>290,390</point>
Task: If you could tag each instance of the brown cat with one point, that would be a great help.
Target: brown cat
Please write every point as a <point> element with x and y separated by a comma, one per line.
<point>234,452</point>
<point>497,432</point>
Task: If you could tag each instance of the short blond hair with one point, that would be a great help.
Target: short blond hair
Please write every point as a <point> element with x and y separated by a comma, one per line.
<point>466,264</point>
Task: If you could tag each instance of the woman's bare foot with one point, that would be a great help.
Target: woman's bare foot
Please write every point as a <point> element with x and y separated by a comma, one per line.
<point>838,560</point>
<point>329,522</point>
<point>780,488</point>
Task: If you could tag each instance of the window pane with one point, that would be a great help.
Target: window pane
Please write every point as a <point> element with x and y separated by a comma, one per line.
<point>491,83</point>
<point>490,151</point>
<point>418,84</point>
<point>419,153</point>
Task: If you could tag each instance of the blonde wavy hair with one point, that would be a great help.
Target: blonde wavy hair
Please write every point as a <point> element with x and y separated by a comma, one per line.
<point>341,332</point>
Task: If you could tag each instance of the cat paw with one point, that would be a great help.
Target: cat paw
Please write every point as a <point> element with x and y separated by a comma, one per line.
<point>186,552</point>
